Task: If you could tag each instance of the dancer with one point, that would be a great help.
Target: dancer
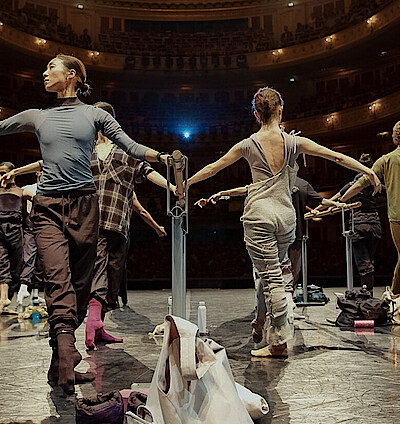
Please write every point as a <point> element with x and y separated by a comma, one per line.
<point>388,168</point>
<point>31,274</point>
<point>115,175</point>
<point>65,213</point>
<point>160,231</point>
<point>11,253</point>
<point>269,217</point>
<point>367,228</point>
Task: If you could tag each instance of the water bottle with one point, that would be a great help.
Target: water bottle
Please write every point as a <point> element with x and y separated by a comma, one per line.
<point>299,293</point>
<point>35,317</point>
<point>169,309</point>
<point>202,318</point>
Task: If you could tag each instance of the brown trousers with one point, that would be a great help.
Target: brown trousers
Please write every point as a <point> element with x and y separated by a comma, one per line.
<point>66,231</point>
<point>395,230</point>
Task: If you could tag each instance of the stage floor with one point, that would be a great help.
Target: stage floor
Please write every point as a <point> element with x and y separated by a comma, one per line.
<point>330,376</point>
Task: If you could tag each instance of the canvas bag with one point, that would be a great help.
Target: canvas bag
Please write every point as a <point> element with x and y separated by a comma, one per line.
<point>193,381</point>
<point>394,305</point>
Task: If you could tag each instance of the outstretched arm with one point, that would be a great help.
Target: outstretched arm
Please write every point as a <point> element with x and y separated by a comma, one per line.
<point>352,191</point>
<point>27,169</point>
<point>210,170</point>
<point>147,218</point>
<point>239,191</point>
<point>159,180</point>
<point>309,147</point>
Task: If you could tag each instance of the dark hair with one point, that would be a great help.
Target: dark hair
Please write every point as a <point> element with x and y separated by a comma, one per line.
<point>396,133</point>
<point>366,159</point>
<point>107,107</point>
<point>9,165</point>
<point>72,62</point>
<point>266,102</point>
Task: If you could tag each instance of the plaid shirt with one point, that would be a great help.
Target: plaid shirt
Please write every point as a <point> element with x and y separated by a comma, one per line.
<point>115,179</point>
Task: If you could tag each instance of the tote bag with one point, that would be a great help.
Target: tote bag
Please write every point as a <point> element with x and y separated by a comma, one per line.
<point>193,382</point>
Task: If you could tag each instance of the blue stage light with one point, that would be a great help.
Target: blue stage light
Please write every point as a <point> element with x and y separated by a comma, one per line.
<point>186,134</point>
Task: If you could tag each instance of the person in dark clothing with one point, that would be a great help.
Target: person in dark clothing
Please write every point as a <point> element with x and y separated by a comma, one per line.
<point>303,194</point>
<point>65,212</point>
<point>115,175</point>
<point>367,228</point>
<point>11,241</point>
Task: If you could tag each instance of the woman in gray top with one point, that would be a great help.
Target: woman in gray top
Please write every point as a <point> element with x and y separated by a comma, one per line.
<point>269,219</point>
<point>65,212</point>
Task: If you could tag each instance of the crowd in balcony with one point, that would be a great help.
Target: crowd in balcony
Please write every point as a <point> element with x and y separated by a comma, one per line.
<point>324,22</point>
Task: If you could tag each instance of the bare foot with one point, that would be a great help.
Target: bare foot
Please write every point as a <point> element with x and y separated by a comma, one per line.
<point>271,351</point>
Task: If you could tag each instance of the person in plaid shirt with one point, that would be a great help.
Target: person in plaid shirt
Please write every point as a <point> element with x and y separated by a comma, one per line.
<point>115,175</point>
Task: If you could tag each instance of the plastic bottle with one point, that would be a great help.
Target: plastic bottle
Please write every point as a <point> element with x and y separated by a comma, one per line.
<point>202,318</point>
<point>35,317</point>
<point>169,310</point>
<point>299,293</point>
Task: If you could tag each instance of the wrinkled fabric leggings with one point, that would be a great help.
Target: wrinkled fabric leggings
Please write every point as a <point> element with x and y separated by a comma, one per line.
<point>66,231</point>
<point>267,251</point>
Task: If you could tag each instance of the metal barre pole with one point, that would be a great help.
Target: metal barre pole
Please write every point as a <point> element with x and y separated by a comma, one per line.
<point>179,215</point>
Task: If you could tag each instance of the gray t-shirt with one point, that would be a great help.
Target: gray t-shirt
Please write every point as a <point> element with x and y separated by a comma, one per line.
<point>66,135</point>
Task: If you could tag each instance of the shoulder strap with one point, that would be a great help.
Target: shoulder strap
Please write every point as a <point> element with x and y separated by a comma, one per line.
<point>187,332</point>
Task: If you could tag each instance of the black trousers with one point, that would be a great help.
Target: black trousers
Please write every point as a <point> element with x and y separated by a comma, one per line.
<point>66,231</point>
<point>11,255</point>
<point>32,270</point>
<point>109,268</point>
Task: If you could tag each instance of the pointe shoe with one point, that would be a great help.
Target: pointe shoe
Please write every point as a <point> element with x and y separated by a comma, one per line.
<point>103,336</point>
<point>271,351</point>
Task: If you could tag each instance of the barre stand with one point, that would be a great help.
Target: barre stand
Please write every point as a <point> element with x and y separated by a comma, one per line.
<point>179,215</point>
<point>348,234</point>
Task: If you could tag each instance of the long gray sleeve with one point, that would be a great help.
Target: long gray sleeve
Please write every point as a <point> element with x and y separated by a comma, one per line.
<point>111,129</point>
<point>21,122</point>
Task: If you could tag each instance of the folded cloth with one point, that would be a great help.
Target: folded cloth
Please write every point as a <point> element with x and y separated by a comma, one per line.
<point>102,409</point>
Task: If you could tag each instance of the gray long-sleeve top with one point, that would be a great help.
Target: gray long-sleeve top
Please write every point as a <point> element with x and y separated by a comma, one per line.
<point>66,135</point>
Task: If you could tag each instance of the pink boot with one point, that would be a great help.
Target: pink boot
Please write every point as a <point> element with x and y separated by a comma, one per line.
<point>95,328</point>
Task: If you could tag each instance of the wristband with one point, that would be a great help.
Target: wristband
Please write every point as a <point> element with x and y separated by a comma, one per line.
<point>159,154</point>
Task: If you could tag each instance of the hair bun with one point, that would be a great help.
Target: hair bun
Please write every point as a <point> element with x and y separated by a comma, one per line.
<point>83,89</point>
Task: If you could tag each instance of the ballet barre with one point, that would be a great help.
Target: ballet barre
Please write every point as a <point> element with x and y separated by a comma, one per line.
<point>179,215</point>
<point>347,234</point>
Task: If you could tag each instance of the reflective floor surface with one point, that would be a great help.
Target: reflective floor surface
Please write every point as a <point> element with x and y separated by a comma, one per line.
<point>330,376</point>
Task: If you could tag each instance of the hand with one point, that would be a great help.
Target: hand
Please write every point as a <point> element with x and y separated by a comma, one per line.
<point>173,189</point>
<point>7,178</point>
<point>214,198</point>
<point>201,203</point>
<point>161,232</point>
<point>375,182</point>
<point>164,158</point>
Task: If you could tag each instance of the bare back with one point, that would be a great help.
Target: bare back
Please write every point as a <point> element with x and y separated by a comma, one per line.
<point>273,147</point>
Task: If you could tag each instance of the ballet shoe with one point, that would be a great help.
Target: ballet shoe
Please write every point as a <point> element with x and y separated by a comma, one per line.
<point>68,359</point>
<point>103,336</point>
<point>271,351</point>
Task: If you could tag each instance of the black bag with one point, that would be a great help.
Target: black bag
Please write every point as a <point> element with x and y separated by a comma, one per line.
<point>359,305</point>
<point>375,309</point>
<point>102,409</point>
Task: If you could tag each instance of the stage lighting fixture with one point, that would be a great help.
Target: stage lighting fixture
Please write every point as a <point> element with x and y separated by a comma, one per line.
<point>292,79</point>
<point>290,4</point>
<point>80,6</point>
<point>186,134</point>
